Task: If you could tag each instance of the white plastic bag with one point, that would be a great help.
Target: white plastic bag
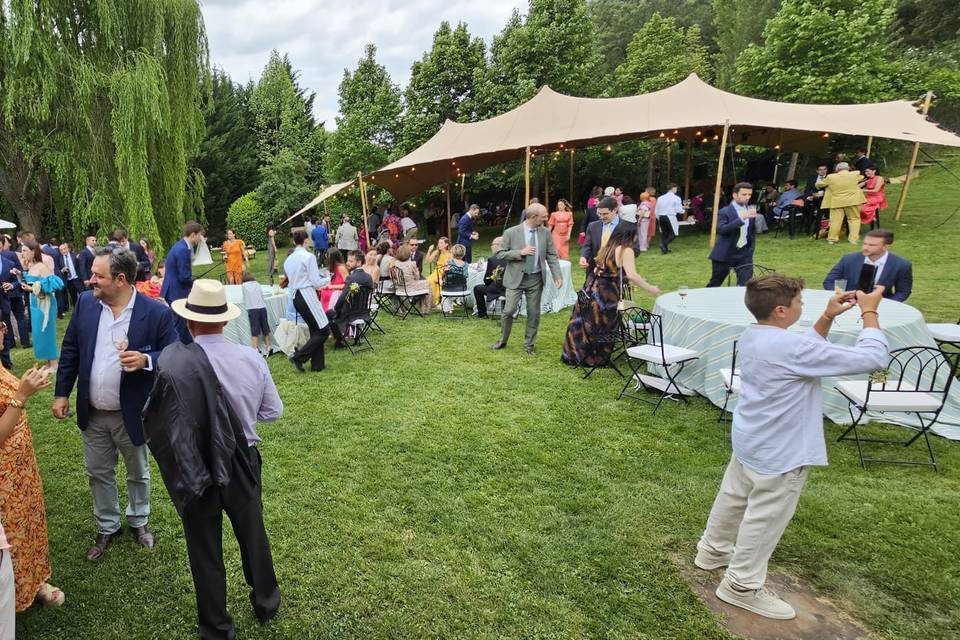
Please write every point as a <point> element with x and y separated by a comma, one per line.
<point>290,336</point>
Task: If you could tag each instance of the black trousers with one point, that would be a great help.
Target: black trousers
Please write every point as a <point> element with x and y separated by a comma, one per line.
<point>666,232</point>
<point>480,293</point>
<point>15,309</point>
<point>63,301</point>
<point>468,256</point>
<point>8,338</point>
<point>737,261</point>
<point>202,529</point>
<point>74,288</point>
<point>313,349</point>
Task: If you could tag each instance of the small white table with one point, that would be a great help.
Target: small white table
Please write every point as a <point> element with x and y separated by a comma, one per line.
<point>710,320</point>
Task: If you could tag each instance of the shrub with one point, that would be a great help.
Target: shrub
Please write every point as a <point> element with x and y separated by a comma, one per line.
<point>248,219</point>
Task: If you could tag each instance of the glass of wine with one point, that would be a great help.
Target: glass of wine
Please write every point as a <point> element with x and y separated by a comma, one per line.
<point>839,286</point>
<point>683,290</point>
<point>119,337</point>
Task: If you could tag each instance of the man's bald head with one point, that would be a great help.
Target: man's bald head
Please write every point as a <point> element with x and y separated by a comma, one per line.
<point>536,215</point>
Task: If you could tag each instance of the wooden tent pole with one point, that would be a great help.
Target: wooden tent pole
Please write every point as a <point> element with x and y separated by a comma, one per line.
<point>449,211</point>
<point>792,170</point>
<point>686,172</point>
<point>571,180</point>
<point>669,160</point>
<point>363,206</point>
<point>869,145</point>
<point>913,161</point>
<point>526,177</point>
<point>546,181</point>
<point>719,184</point>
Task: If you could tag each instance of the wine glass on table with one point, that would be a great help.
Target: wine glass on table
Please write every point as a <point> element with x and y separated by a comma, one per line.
<point>683,290</point>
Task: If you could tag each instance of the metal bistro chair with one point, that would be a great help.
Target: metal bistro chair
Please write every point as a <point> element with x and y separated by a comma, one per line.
<point>453,289</point>
<point>355,313</point>
<point>917,381</point>
<point>375,307</point>
<point>383,296</point>
<point>947,337</point>
<point>758,270</point>
<point>670,358</point>
<point>731,383</point>
<point>406,302</point>
<point>612,337</point>
<point>790,214</point>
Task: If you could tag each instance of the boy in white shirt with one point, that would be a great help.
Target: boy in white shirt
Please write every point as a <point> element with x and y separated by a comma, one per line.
<point>256,312</point>
<point>777,436</point>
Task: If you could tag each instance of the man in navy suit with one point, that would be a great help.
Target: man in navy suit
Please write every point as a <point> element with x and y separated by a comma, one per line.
<point>85,259</point>
<point>178,279</point>
<point>599,231</point>
<point>52,249</point>
<point>893,272</point>
<point>14,295</point>
<point>109,351</point>
<point>70,273</point>
<point>8,287</point>
<point>736,238</point>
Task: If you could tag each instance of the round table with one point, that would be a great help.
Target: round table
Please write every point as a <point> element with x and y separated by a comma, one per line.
<point>238,329</point>
<point>551,300</point>
<point>710,320</point>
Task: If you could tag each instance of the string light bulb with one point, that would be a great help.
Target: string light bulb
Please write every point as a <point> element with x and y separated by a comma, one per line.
<point>609,148</point>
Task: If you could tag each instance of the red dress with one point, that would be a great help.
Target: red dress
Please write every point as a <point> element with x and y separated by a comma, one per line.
<point>328,297</point>
<point>875,201</point>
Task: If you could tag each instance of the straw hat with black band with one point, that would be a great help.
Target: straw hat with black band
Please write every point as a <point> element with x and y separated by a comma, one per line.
<point>206,303</point>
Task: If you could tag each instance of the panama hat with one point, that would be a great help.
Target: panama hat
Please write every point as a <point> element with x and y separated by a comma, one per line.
<point>207,302</point>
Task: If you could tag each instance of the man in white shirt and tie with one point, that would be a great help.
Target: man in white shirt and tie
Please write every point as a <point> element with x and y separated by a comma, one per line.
<point>71,273</point>
<point>669,206</point>
<point>736,238</point>
<point>778,434</point>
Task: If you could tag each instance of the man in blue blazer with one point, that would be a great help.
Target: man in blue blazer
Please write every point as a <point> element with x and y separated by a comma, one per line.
<point>109,350</point>
<point>598,230</point>
<point>8,287</point>
<point>178,278</point>
<point>85,259</point>
<point>736,238</point>
<point>15,299</point>
<point>893,272</point>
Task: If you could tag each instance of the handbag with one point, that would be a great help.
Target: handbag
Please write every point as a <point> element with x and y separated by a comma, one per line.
<point>581,238</point>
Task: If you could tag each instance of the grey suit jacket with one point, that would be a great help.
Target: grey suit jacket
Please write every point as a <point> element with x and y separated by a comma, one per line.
<point>514,240</point>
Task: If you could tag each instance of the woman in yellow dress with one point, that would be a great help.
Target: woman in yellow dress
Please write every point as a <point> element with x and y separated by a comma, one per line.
<point>21,490</point>
<point>235,254</point>
<point>439,256</point>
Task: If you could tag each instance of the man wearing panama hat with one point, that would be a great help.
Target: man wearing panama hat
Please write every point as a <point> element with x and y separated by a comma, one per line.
<point>201,423</point>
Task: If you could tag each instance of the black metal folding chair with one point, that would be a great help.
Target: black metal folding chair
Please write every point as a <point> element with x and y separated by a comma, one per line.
<point>354,313</point>
<point>671,360</point>
<point>731,383</point>
<point>383,295</point>
<point>791,213</point>
<point>758,270</point>
<point>406,302</point>
<point>916,381</point>
<point>453,289</point>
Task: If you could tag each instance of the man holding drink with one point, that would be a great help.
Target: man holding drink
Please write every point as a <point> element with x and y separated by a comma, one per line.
<point>736,238</point>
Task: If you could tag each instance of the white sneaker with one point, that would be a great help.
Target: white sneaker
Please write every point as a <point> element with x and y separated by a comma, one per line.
<point>707,563</point>
<point>762,602</point>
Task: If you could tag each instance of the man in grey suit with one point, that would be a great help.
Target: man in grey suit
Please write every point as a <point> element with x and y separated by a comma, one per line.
<point>527,249</point>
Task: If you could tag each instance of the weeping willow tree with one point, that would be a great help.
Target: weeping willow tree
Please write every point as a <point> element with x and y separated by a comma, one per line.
<point>101,113</point>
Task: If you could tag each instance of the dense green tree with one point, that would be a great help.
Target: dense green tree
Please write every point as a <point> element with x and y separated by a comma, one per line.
<point>283,188</point>
<point>928,23</point>
<point>738,23</point>
<point>282,111</point>
<point>554,45</point>
<point>368,123</point>
<point>806,54</point>
<point>661,54</point>
<point>617,20</point>
<point>247,218</point>
<point>441,85</point>
<point>228,154</point>
<point>101,112</point>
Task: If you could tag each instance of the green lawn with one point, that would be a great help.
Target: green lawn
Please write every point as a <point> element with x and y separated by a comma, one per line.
<point>437,489</point>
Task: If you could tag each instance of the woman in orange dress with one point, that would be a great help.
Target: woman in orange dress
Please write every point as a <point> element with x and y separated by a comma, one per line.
<point>21,491</point>
<point>235,254</point>
<point>561,225</point>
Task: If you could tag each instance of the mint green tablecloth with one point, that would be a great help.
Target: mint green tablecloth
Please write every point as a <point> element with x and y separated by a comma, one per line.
<point>552,299</point>
<point>237,330</point>
<point>710,320</point>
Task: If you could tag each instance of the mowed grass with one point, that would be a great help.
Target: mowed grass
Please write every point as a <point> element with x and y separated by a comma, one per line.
<point>437,489</point>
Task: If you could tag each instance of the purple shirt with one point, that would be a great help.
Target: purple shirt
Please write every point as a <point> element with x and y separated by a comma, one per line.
<point>245,380</point>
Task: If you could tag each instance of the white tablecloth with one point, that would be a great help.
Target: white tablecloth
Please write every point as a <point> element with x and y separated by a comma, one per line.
<point>552,299</point>
<point>237,330</point>
<point>711,319</point>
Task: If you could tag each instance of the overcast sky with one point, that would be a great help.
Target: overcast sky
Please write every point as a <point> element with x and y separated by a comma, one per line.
<point>323,37</point>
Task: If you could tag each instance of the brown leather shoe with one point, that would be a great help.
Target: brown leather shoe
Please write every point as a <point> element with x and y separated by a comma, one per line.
<point>100,544</point>
<point>143,535</point>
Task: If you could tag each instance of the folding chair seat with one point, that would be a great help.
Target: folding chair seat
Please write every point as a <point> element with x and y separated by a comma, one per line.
<point>406,302</point>
<point>730,378</point>
<point>670,358</point>
<point>916,381</point>
<point>384,294</point>
<point>355,313</point>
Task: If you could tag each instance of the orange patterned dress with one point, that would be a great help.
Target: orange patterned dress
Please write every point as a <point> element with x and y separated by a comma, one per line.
<point>234,250</point>
<point>21,503</point>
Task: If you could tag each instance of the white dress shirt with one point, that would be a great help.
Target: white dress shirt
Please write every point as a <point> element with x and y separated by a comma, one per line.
<point>778,421</point>
<point>68,262</point>
<point>303,274</point>
<point>879,264</point>
<point>531,239</point>
<point>105,370</point>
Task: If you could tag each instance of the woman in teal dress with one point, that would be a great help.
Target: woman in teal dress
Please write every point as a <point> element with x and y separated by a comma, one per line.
<point>41,283</point>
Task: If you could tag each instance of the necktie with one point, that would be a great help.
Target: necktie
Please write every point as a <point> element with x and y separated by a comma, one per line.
<point>607,230</point>
<point>742,240</point>
<point>531,263</point>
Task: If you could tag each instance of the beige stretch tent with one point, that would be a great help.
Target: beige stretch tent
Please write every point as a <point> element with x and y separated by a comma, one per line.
<point>329,192</point>
<point>690,110</point>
